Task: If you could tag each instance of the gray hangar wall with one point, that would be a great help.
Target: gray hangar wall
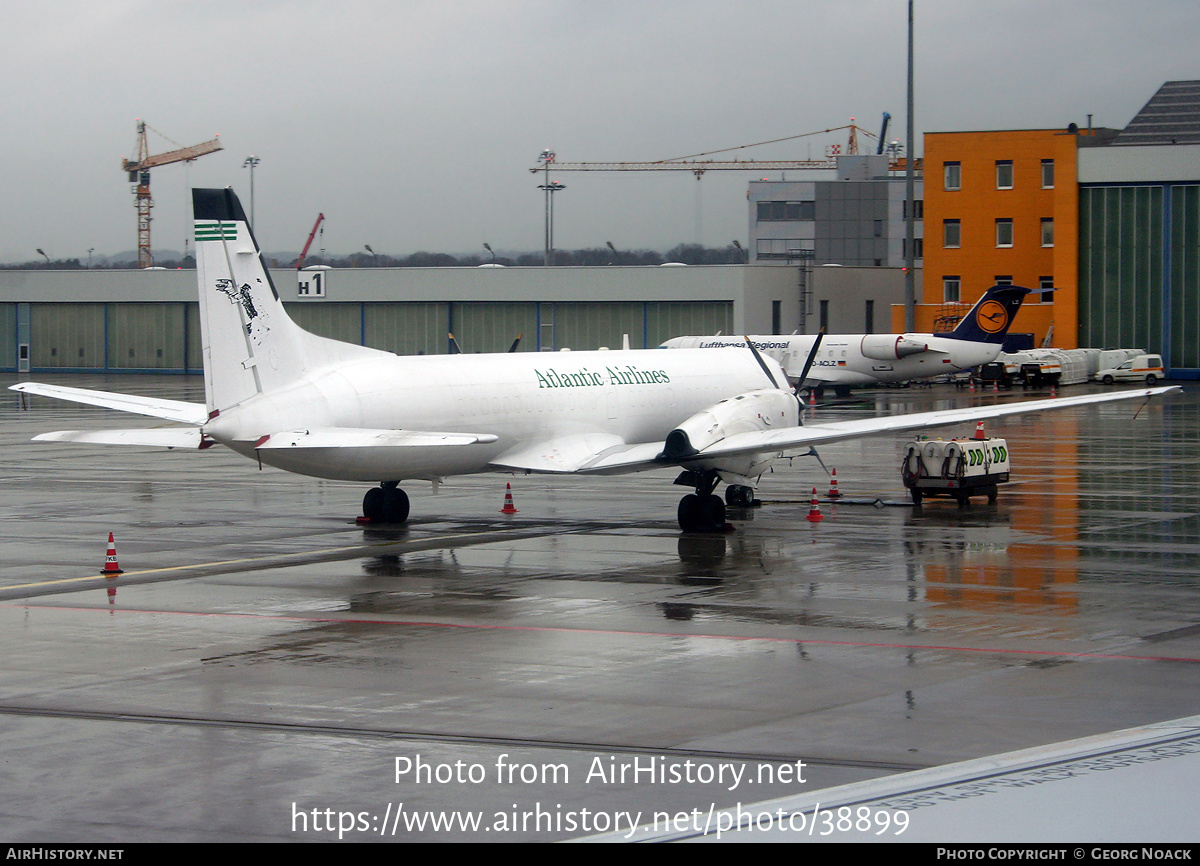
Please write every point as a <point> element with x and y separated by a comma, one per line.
<point>147,321</point>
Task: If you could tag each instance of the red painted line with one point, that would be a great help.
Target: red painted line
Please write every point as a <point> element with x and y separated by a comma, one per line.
<point>612,632</point>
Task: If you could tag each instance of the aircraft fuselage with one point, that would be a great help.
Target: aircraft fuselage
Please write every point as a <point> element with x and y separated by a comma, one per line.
<point>633,396</point>
<point>841,359</point>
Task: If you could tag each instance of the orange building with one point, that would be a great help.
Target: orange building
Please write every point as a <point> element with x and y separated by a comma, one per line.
<point>1001,207</point>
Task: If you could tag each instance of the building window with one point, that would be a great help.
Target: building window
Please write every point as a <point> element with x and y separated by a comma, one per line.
<point>951,234</point>
<point>1003,280</point>
<point>951,289</point>
<point>786,211</point>
<point>1047,174</point>
<point>1004,233</point>
<point>953,175</point>
<point>918,248</point>
<point>783,248</point>
<point>1004,174</point>
<point>1046,284</point>
<point>1047,232</point>
<point>918,209</point>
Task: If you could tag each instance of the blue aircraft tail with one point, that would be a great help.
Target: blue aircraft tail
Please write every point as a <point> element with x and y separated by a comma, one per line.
<point>990,318</point>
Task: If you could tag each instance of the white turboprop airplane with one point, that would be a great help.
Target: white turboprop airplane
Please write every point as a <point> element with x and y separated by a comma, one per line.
<point>869,359</point>
<point>318,407</point>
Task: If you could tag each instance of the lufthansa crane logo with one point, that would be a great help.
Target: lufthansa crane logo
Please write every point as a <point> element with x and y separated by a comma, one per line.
<point>992,317</point>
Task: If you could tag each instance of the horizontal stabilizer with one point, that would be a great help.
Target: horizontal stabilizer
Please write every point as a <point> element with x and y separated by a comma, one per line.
<point>358,437</point>
<point>155,437</point>
<point>155,407</point>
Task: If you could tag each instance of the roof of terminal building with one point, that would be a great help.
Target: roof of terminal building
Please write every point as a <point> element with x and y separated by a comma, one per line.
<point>1172,116</point>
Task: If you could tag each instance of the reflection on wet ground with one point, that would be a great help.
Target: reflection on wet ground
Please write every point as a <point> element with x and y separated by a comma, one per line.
<point>270,650</point>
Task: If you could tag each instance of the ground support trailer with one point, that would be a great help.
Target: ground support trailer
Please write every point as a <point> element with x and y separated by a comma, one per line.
<point>958,468</point>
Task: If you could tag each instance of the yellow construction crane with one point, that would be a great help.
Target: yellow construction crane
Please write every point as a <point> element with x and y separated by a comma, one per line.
<point>698,166</point>
<point>139,174</point>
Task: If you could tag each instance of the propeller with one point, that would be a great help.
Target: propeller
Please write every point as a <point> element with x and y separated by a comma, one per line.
<point>766,370</point>
<point>804,374</point>
<point>515,343</point>
<point>812,356</point>
<point>812,452</point>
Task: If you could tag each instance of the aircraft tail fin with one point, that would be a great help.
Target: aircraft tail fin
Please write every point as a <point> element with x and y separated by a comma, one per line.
<point>990,318</point>
<point>249,343</point>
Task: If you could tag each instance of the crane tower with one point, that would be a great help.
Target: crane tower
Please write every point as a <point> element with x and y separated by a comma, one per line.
<point>139,174</point>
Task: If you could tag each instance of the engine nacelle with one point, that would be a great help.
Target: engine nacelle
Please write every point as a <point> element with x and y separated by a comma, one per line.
<point>768,409</point>
<point>890,347</point>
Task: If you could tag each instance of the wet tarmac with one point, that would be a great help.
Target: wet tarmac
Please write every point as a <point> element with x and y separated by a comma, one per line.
<point>265,669</point>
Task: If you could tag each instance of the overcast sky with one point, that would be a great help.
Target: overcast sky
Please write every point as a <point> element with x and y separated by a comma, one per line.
<point>412,124</point>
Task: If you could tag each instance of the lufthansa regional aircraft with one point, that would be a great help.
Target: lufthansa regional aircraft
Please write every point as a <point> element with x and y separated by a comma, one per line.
<point>287,398</point>
<point>869,359</point>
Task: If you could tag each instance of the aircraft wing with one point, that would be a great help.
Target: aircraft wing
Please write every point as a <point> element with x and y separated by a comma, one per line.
<point>817,434</point>
<point>571,453</point>
<point>627,458</point>
<point>605,454</point>
<point>159,437</point>
<point>362,454</point>
<point>170,410</point>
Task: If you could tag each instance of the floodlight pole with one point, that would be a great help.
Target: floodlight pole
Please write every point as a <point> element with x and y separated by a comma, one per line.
<point>910,291</point>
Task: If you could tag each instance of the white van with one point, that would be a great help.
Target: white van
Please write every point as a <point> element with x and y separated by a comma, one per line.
<point>1140,368</point>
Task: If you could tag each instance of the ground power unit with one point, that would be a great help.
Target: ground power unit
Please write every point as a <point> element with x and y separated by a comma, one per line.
<point>958,468</point>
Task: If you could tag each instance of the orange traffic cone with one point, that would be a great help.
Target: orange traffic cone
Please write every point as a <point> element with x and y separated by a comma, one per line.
<point>979,434</point>
<point>834,493</point>
<point>508,508</point>
<point>110,559</point>
<point>814,510</point>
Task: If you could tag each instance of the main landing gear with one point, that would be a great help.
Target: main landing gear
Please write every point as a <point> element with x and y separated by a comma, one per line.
<point>704,511</point>
<point>386,503</point>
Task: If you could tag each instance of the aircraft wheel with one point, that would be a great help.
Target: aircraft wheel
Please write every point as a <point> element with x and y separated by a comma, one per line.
<point>739,496</point>
<point>842,391</point>
<point>395,505</point>
<point>373,505</point>
<point>689,513</point>
<point>713,509</point>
